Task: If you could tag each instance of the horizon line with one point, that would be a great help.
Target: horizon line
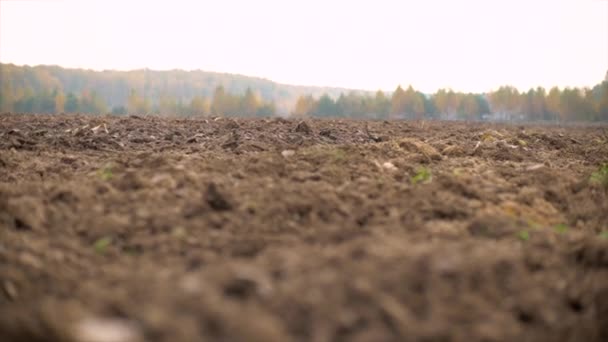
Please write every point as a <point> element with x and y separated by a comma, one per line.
<point>521,90</point>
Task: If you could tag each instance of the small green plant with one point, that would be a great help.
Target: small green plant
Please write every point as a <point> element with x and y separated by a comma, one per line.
<point>604,235</point>
<point>337,154</point>
<point>423,175</point>
<point>524,235</point>
<point>600,177</point>
<point>105,173</point>
<point>561,228</point>
<point>102,244</point>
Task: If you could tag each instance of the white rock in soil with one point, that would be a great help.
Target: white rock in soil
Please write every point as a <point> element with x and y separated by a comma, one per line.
<point>535,167</point>
<point>97,329</point>
<point>288,153</point>
<point>389,166</point>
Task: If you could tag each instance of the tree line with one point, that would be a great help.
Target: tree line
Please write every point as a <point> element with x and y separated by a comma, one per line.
<point>221,103</point>
<point>504,104</point>
<point>42,89</point>
<point>52,89</point>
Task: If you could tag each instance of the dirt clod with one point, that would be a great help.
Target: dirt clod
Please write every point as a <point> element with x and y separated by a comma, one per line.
<point>216,200</point>
<point>303,127</point>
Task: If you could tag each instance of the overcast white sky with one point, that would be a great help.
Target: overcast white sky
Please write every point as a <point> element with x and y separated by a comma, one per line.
<point>469,45</point>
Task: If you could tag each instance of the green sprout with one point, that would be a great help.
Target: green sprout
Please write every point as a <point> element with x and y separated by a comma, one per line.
<point>338,154</point>
<point>423,175</point>
<point>524,235</point>
<point>102,244</point>
<point>600,177</point>
<point>604,235</point>
<point>561,228</point>
<point>105,173</point>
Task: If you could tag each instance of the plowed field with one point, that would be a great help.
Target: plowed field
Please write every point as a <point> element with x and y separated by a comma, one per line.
<point>153,229</point>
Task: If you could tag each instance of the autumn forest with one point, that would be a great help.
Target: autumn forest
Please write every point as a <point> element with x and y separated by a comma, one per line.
<point>52,89</point>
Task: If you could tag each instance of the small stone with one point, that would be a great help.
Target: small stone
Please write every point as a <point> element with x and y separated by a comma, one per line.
<point>107,330</point>
<point>535,167</point>
<point>288,153</point>
<point>389,166</point>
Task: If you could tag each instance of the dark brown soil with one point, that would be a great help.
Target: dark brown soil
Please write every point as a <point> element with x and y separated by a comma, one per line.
<point>150,229</point>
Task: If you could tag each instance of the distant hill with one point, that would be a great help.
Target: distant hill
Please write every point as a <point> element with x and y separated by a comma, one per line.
<point>114,87</point>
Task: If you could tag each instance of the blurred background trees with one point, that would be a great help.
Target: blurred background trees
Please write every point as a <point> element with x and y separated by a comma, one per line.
<point>51,89</point>
<point>504,104</point>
